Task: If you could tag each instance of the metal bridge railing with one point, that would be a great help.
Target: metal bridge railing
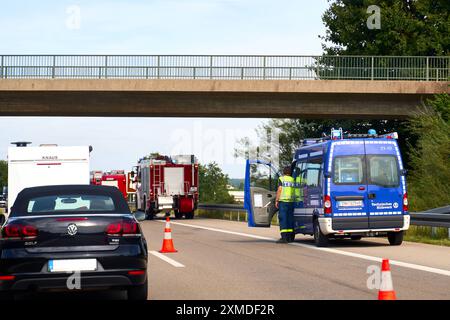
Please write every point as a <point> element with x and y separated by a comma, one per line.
<point>225,67</point>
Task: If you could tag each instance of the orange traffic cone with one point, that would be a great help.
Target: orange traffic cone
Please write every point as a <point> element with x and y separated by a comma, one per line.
<point>386,287</point>
<point>167,246</point>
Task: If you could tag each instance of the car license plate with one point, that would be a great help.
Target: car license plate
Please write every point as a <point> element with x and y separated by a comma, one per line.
<point>357,203</point>
<point>72,265</point>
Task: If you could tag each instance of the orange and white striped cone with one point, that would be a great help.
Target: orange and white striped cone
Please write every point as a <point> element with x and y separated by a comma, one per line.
<point>386,291</point>
<point>168,246</point>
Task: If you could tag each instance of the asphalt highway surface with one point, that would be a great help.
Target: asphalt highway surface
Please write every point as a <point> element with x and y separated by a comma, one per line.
<point>224,260</point>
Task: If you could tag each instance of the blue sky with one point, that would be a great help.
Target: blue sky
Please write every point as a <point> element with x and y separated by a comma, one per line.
<point>152,27</point>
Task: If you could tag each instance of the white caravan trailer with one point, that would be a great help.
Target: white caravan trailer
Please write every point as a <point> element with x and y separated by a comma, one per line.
<point>45,165</point>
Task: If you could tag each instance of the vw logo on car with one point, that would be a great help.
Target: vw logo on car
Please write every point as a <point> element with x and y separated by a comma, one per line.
<point>72,229</point>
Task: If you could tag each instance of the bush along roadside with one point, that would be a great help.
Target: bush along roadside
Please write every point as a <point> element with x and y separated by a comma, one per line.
<point>428,181</point>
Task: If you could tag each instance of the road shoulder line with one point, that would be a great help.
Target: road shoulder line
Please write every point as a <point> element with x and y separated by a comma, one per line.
<point>329,250</point>
<point>174,263</point>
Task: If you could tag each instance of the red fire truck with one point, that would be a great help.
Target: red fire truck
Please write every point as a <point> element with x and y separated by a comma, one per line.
<point>96,177</point>
<point>116,178</point>
<point>167,183</point>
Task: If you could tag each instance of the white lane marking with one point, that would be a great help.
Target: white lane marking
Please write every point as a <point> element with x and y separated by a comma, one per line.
<point>330,250</point>
<point>167,259</point>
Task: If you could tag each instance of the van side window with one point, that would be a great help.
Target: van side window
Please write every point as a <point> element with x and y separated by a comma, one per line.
<point>297,169</point>
<point>313,172</point>
<point>348,170</point>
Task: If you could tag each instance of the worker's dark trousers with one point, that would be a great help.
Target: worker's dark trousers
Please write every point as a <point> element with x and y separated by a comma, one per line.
<point>286,217</point>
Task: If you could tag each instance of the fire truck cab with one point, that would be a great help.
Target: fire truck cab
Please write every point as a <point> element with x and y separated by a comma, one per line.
<point>116,178</point>
<point>96,177</point>
<point>167,183</point>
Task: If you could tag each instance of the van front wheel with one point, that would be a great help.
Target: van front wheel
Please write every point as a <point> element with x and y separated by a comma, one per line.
<point>320,239</point>
<point>395,238</point>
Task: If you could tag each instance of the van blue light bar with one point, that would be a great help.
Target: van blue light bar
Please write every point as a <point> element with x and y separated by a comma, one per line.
<point>392,135</point>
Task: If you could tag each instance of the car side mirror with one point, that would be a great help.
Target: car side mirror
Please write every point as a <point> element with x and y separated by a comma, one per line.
<point>404,172</point>
<point>326,174</point>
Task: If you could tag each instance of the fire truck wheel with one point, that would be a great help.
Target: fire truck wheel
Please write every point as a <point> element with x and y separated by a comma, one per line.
<point>190,215</point>
<point>178,215</point>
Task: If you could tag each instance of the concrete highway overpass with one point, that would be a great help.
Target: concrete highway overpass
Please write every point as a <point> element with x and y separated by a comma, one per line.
<point>215,98</point>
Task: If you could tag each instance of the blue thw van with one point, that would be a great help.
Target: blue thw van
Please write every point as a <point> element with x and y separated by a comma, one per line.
<point>350,187</point>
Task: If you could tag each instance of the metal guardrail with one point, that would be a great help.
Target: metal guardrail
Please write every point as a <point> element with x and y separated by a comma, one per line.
<point>439,217</point>
<point>221,207</point>
<point>430,219</point>
<point>229,67</point>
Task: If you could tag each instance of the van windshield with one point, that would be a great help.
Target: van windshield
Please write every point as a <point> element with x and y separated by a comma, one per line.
<point>383,170</point>
<point>348,170</point>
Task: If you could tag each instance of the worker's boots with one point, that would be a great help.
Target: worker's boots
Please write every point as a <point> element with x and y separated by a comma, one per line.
<point>283,238</point>
<point>290,237</point>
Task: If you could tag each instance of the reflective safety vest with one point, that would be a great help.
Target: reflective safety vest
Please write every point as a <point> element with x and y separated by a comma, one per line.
<point>298,189</point>
<point>287,189</point>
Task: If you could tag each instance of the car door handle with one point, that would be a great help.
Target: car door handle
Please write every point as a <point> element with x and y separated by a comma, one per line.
<point>372,196</point>
<point>269,195</point>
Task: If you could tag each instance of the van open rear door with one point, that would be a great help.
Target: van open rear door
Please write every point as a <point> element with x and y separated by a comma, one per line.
<point>348,188</point>
<point>386,184</point>
<point>261,184</point>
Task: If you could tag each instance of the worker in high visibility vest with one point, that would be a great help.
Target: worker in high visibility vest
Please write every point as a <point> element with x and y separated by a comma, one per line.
<point>285,203</point>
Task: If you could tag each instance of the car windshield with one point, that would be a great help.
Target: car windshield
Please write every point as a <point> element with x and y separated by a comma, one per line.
<point>71,203</point>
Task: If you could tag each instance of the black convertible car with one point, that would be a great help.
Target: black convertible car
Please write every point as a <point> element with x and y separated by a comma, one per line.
<point>73,237</point>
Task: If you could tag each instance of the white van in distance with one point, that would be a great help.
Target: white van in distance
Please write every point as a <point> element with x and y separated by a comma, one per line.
<point>45,165</point>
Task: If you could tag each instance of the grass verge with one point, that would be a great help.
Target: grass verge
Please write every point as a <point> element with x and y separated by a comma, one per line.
<point>436,236</point>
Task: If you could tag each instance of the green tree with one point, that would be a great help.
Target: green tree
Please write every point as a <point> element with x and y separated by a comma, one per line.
<point>408,27</point>
<point>213,184</point>
<point>3,174</point>
<point>429,185</point>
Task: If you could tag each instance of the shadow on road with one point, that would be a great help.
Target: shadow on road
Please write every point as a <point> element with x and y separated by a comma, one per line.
<point>341,243</point>
<point>345,243</point>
